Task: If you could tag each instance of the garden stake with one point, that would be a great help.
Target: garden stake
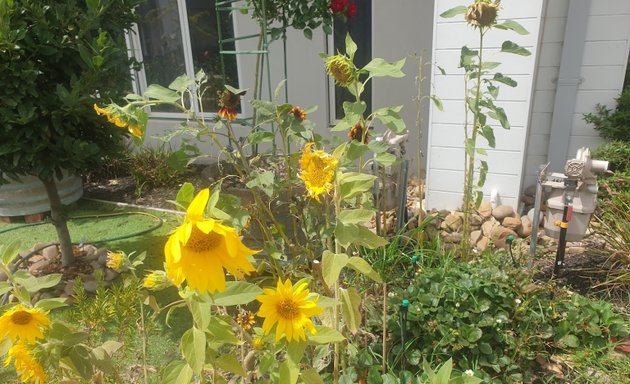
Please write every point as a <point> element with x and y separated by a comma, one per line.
<point>402,196</point>
<point>542,175</point>
<point>402,314</point>
<point>570,185</point>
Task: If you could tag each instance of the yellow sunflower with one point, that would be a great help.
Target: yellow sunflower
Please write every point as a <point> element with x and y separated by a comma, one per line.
<point>200,249</point>
<point>290,308</point>
<point>23,323</point>
<point>341,69</point>
<point>29,370</point>
<point>317,171</point>
<point>116,260</point>
<point>156,280</point>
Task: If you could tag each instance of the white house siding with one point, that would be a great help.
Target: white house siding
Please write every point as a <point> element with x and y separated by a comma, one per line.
<point>446,138</point>
<point>602,74</point>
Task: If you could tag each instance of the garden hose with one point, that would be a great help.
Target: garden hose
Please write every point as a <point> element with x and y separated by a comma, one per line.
<point>18,260</point>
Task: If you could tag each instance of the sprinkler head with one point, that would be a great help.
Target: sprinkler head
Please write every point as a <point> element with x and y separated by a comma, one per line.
<point>414,258</point>
<point>405,303</point>
<point>510,238</point>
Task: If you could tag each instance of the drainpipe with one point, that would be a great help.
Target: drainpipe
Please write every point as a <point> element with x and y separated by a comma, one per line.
<point>568,82</point>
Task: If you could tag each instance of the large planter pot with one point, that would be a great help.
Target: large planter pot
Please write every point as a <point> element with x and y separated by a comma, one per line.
<point>28,196</point>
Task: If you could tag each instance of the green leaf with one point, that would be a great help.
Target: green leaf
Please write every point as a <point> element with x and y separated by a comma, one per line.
<point>325,335</point>
<point>231,364</point>
<point>236,91</point>
<point>295,352</point>
<point>386,159</point>
<point>488,133</point>
<point>282,84</point>
<point>193,346</point>
<point>259,136</point>
<point>264,180</point>
<point>470,147</point>
<point>177,372</point>
<point>4,288</point>
<point>485,348</point>
<point>221,331</point>
<point>358,235</point>
<point>237,293</point>
<point>185,195</point>
<point>356,150</point>
<point>466,57</point>
<point>512,25</point>
<point>200,311</point>
<point>390,117</point>
<point>353,184</point>
<point>50,304</point>
<point>511,47</point>
<point>308,33</point>
<point>332,264</point>
<point>351,47</point>
<point>160,93</point>
<point>378,146</point>
<point>310,376</point>
<point>379,68</point>
<point>505,80</point>
<point>459,10</point>
<point>444,373</point>
<point>351,308</point>
<point>362,266</point>
<point>288,373</point>
<point>490,64</point>
<point>438,103</point>
<point>356,216</point>
<point>570,341</point>
<point>35,284</point>
<point>494,91</point>
<point>181,84</point>
<point>342,125</point>
<point>9,252</point>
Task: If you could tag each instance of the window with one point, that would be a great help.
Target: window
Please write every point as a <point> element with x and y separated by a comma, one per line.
<point>360,29</point>
<point>176,37</point>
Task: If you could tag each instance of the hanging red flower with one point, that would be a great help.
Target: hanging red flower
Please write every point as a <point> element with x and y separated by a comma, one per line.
<point>338,6</point>
<point>351,10</point>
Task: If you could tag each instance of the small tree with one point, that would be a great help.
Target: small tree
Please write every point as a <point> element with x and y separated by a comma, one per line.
<point>57,59</point>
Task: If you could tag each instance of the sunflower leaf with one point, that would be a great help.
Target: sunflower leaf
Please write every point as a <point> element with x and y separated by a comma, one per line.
<point>350,308</point>
<point>193,346</point>
<point>332,264</point>
<point>289,372</point>
<point>325,335</point>
<point>461,9</point>
<point>177,372</point>
<point>353,184</point>
<point>362,266</point>
<point>381,68</point>
<point>237,293</point>
<point>231,364</point>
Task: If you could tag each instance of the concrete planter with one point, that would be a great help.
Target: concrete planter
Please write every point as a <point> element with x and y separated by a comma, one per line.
<point>28,196</point>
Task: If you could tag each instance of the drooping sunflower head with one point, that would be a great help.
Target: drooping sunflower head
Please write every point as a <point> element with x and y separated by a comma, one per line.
<point>317,171</point>
<point>358,133</point>
<point>24,324</point>
<point>122,117</point>
<point>156,281</point>
<point>229,101</point>
<point>289,309</point>
<point>201,249</point>
<point>482,13</point>
<point>26,366</point>
<point>341,69</point>
<point>298,113</point>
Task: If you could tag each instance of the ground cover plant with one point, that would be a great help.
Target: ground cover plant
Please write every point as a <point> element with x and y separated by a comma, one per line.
<point>271,272</point>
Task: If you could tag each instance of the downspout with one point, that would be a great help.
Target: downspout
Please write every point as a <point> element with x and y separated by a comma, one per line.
<point>568,82</point>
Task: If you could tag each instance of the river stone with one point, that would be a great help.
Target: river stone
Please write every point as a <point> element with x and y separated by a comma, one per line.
<point>475,236</point>
<point>488,226</point>
<point>526,227</point>
<point>483,243</point>
<point>38,266</point>
<point>530,214</point>
<point>499,236</point>
<point>485,210</point>
<point>454,237</point>
<point>502,211</point>
<point>512,222</point>
<point>50,252</point>
<point>452,223</point>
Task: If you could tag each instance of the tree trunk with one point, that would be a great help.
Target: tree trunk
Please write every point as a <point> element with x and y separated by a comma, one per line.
<point>60,221</point>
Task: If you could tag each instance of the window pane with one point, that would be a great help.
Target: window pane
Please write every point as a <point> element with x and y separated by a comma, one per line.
<point>161,42</point>
<point>204,39</point>
<point>360,29</point>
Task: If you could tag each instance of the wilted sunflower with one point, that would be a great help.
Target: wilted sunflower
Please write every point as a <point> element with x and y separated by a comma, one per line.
<point>341,68</point>
<point>358,133</point>
<point>228,103</point>
<point>200,249</point>
<point>117,116</point>
<point>29,370</point>
<point>298,113</point>
<point>290,309</point>
<point>482,13</point>
<point>317,171</point>
<point>22,323</point>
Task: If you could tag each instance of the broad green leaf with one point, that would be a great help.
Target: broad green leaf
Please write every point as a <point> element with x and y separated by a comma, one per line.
<point>511,47</point>
<point>488,133</point>
<point>177,372</point>
<point>386,159</point>
<point>35,284</point>
<point>438,103</point>
<point>259,136</point>
<point>200,311</point>
<point>459,10</point>
<point>295,352</point>
<point>264,180</point>
<point>505,80</point>
<point>237,293</point>
<point>482,151</point>
<point>354,111</point>
<point>193,345</point>
<point>351,46</point>
<point>5,345</point>
<point>332,264</point>
<point>185,195</point>
<point>494,91</point>
<point>342,126</point>
<point>356,216</point>
<point>467,56</point>
<point>78,361</point>
<point>490,64</point>
<point>308,33</point>
<point>483,171</point>
<point>390,117</point>
<point>236,91</point>
<point>310,376</point>
<point>102,360</point>
<point>325,335</point>
<point>160,93</point>
<point>9,252</point>
<point>570,341</point>
<point>478,199</point>
<point>444,373</point>
<point>512,25</point>
<point>50,304</point>
<point>181,83</point>
<point>356,150</point>
<point>4,288</point>
<point>221,331</point>
<point>362,266</point>
<point>289,373</point>
<point>470,147</point>
<point>357,235</point>
<point>378,146</point>
<point>353,184</point>
<point>379,68</point>
<point>351,308</point>
<point>214,198</point>
<point>231,364</point>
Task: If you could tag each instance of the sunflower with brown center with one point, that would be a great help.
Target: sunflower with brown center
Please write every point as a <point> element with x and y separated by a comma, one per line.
<point>289,309</point>
<point>298,113</point>
<point>24,324</point>
<point>201,249</point>
<point>246,320</point>
<point>317,171</point>
<point>358,133</point>
<point>228,103</point>
<point>482,13</point>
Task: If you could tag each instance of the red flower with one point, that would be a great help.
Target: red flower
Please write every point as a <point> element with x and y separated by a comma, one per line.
<point>338,6</point>
<point>351,10</point>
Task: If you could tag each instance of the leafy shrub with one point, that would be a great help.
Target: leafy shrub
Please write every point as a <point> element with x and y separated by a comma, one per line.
<point>153,167</point>
<point>495,319</point>
<point>612,125</point>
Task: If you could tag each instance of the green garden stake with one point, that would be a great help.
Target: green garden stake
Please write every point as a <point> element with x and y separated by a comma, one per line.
<point>402,314</point>
<point>509,241</point>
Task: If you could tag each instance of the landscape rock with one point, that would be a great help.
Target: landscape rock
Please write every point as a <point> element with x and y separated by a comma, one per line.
<point>488,226</point>
<point>90,252</point>
<point>36,257</point>
<point>483,243</point>
<point>110,274</point>
<point>38,266</point>
<point>476,220</point>
<point>475,236</point>
<point>454,237</point>
<point>530,214</point>
<point>575,251</point>
<point>512,222</point>
<point>452,223</point>
<point>485,210</point>
<point>526,227</point>
<point>50,252</point>
<point>499,236</point>
<point>102,255</point>
<point>90,286</point>
<point>502,211</point>
<point>68,289</point>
